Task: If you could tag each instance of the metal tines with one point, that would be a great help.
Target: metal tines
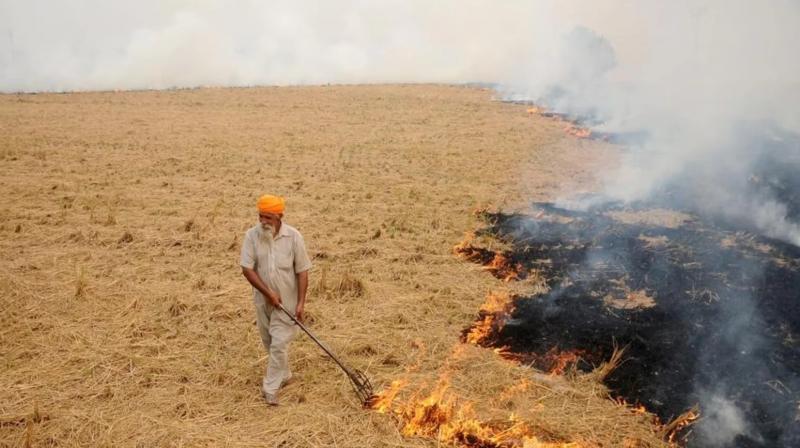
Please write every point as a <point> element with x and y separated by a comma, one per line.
<point>360,382</point>
<point>362,386</point>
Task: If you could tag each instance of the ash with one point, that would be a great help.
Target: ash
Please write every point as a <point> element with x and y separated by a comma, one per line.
<point>708,315</point>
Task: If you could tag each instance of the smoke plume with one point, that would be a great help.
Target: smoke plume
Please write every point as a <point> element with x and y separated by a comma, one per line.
<point>687,77</point>
<point>708,88</point>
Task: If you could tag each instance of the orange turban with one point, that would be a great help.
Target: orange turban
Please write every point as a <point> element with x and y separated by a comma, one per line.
<point>271,204</point>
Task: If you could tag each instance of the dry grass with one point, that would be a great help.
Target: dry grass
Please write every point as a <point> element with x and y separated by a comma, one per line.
<point>126,321</point>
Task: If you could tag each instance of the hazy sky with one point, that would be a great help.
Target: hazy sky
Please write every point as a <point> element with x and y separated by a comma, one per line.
<point>96,44</point>
<point>713,84</point>
<point>688,72</point>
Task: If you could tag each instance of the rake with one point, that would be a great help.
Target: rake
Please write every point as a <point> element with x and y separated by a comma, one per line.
<point>360,382</point>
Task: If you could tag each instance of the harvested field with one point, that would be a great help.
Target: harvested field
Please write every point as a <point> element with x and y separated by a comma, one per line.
<point>126,321</point>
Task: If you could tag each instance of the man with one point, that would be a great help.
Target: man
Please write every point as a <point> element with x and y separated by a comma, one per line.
<point>275,262</point>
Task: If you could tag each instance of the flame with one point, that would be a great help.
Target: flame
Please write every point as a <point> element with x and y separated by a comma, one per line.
<point>442,416</point>
<point>480,332</point>
<point>438,413</point>
<point>670,431</point>
<point>497,302</point>
<point>562,360</point>
<point>492,316</point>
<point>636,409</point>
<point>383,401</point>
<point>495,262</point>
<point>502,268</point>
<point>578,131</point>
<point>556,362</point>
<point>507,354</point>
<point>571,128</point>
<point>673,429</point>
<point>466,249</point>
<point>465,245</point>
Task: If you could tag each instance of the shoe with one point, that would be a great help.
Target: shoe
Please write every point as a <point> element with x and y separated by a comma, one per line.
<point>288,380</point>
<point>271,399</point>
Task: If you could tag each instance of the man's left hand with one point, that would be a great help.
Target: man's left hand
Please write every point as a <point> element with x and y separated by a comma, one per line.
<point>299,313</point>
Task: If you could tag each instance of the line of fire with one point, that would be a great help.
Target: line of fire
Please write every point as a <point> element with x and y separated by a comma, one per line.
<point>689,316</point>
<point>699,317</point>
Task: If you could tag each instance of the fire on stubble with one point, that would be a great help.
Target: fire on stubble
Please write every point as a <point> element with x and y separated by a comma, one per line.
<point>444,416</point>
<point>440,413</point>
<point>570,128</point>
<point>496,263</point>
<point>492,314</point>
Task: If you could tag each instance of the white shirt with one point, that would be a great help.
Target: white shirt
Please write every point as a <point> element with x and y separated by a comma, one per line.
<point>278,264</point>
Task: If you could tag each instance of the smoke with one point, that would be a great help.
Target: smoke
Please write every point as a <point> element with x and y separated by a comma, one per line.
<point>720,331</point>
<point>711,93</point>
<point>709,87</point>
<point>92,44</point>
<point>686,76</point>
<point>723,422</point>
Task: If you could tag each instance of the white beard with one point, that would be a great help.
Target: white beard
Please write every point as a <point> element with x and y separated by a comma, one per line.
<point>266,234</point>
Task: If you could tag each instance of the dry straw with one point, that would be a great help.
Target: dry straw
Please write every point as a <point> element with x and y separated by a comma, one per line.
<point>126,321</point>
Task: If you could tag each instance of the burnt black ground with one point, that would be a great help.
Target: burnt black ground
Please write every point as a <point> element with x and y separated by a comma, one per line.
<point>724,332</point>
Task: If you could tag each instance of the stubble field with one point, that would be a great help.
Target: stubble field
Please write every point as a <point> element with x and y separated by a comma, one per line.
<point>126,321</point>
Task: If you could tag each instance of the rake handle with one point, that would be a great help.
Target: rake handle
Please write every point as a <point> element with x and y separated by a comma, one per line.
<point>314,338</point>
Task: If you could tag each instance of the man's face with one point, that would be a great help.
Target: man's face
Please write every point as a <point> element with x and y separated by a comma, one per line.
<point>269,219</point>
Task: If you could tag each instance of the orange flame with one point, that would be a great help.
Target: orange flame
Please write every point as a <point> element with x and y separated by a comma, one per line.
<point>497,302</point>
<point>466,249</point>
<point>493,313</point>
<point>383,401</point>
<point>441,416</point>
<point>502,268</point>
<point>481,331</point>
<point>674,428</point>
<point>494,262</point>
<point>468,238</point>
<point>578,131</point>
<point>571,128</point>
<point>560,361</point>
<point>556,362</point>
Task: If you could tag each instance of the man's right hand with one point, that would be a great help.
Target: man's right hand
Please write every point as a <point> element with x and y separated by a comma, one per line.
<point>270,296</point>
<point>274,300</point>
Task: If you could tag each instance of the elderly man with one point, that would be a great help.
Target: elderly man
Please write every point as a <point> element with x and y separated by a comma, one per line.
<point>275,262</point>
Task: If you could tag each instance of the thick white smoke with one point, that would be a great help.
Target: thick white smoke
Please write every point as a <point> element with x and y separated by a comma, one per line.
<point>686,75</point>
<point>711,88</point>
<point>96,44</point>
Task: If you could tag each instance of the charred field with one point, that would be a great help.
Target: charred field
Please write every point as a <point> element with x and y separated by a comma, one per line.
<point>126,321</point>
<point>707,316</point>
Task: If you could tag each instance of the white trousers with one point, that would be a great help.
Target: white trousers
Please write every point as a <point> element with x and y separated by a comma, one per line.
<point>276,334</point>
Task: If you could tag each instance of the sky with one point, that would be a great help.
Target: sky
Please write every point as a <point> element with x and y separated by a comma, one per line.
<point>95,44</point>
